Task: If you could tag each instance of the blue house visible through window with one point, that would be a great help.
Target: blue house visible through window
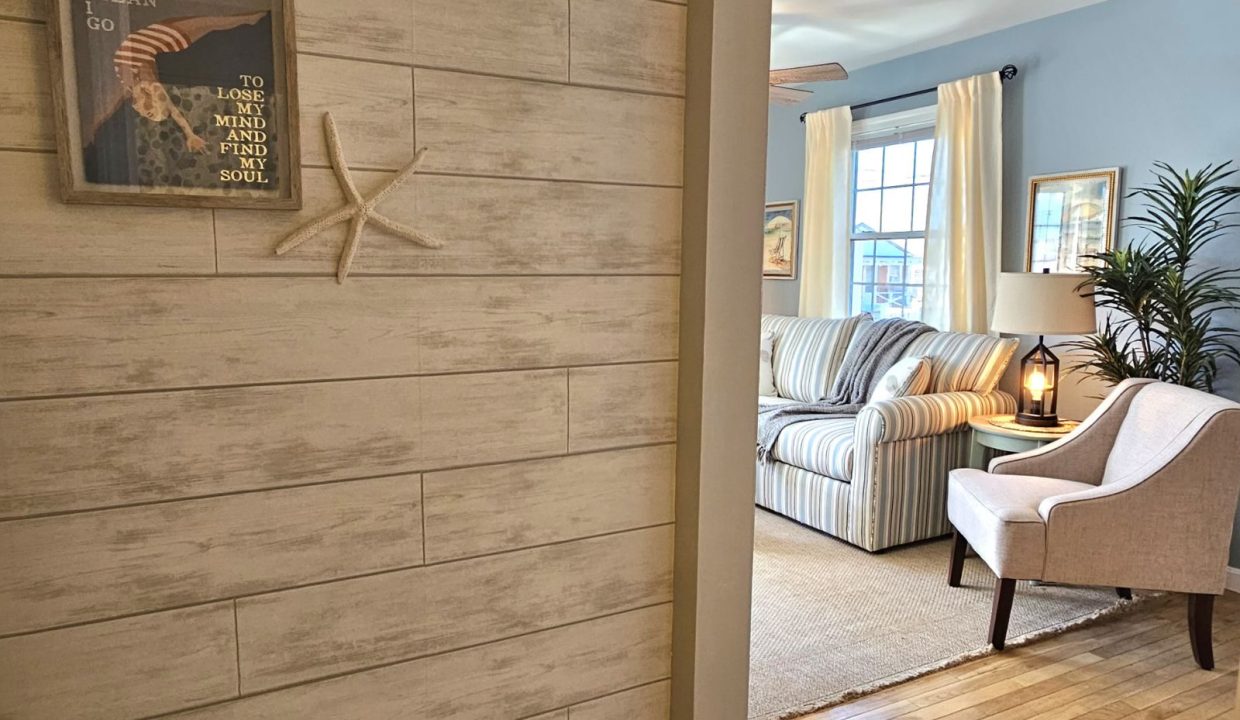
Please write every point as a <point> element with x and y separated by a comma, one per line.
<point>890,196</point>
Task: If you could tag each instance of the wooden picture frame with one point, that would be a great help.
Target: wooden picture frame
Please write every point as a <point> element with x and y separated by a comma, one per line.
<point>780,240</point>
<point>188,103</point>
<point>1071,215</point>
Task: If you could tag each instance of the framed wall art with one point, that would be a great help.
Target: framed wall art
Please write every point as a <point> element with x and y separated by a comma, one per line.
<point>779,241</point>
<point>1071,215</point>
<point>176,102</point>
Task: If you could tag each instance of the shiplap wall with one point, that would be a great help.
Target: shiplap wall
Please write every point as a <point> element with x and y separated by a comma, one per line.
<point>230,488</point>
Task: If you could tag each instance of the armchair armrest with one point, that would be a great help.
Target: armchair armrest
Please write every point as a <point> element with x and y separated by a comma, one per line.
<point>917,416</point>
<point>1082,455</point>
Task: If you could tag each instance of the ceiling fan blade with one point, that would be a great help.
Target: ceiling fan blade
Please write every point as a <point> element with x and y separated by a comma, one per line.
<point>809,73</point>
<point>788,96</point>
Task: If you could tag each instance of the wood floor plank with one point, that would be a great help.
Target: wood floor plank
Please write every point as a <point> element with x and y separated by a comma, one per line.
<point>91,452</point>
<point>90,566</point>
<point>649,702</point>
<point>67,336</point>
<point>489,226</point>
<point>524,38</point>
<point>520,677</point>
<point>1137,664</point>
<point>25,93</point>
<point>1188,704</point>
<point>106,670</point>
<point>373,30</point>
<point>516,128</point>
<point>481,510</point>
<point>634,44</point>
<point>44,236</point>
<point>621,405</point>
<point>371,104</point>
<point>306,633</point>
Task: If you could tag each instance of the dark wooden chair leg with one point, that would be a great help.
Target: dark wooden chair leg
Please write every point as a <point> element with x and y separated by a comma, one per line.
<point>1201,628</point>
<point>1124,593</point>
<point>955,565</point>
<point>1001,611</point>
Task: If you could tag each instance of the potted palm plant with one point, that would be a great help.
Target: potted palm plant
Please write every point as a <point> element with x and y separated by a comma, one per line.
<point>1161,298</point>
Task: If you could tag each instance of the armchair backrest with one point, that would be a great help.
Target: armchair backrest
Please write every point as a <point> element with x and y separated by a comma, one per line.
<point>1161,419</point>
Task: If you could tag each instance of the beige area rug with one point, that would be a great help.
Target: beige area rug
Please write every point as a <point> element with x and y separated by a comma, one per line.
<point>831,621</point>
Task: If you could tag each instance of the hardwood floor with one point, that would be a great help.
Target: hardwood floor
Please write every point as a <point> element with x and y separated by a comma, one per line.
<point>1139,666</point>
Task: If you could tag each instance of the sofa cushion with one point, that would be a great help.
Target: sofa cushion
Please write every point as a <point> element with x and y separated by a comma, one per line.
<point>998,515</point>
<point>768,401</point>
<point>910,376</point>
<point>808,353</point>
<point>821,446</point>
<point>962,361</point>
<point>766,377</point>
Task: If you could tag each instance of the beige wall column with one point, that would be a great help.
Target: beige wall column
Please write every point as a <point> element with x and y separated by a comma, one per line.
<point>725,159</point>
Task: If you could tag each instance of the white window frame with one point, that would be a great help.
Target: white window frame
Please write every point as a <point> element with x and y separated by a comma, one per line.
<point>892,128</point>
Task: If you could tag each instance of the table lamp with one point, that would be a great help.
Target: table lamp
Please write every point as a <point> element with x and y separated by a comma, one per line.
<point>1042,304</point>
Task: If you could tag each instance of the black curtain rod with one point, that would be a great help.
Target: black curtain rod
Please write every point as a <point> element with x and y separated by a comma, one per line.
<point>1006,73</point>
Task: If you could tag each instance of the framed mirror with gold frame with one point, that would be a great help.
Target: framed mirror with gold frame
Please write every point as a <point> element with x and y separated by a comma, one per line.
<point>1071,216</point>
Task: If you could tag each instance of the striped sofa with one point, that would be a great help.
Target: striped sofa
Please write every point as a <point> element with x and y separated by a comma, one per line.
<point>879,479</point>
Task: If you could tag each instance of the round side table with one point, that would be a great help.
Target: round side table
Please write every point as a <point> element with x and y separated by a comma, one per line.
<point>1000,432</point>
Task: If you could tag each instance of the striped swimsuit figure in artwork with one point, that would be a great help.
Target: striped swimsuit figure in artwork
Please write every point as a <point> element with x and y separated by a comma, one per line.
<point>136,55</point>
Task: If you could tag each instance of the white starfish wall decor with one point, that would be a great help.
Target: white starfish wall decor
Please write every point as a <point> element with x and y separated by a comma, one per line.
<point>357,208</point>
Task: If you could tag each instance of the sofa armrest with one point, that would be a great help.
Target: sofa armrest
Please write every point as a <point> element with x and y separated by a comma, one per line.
<point>917,416</point>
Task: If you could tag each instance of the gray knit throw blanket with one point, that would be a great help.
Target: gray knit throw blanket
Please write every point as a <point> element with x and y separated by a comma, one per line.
<point>876,349</point>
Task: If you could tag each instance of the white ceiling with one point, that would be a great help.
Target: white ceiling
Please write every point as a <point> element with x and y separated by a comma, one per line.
<point>857,33</point>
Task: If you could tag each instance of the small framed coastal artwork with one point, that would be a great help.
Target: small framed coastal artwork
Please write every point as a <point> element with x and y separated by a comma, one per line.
<point>779,241</point>
<point>176,102</point>
<point>1071,217</point>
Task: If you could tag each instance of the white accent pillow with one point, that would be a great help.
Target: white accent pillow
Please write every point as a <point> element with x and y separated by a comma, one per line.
<point>766,376</point>
<point>910,376</point>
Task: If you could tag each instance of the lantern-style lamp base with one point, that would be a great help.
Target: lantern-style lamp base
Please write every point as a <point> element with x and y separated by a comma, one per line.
<point>1039,388</point>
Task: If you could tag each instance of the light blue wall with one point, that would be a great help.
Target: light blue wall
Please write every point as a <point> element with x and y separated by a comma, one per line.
<point>1124,82</point>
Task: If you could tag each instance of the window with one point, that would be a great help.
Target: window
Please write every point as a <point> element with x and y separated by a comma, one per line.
<point>890,194</point>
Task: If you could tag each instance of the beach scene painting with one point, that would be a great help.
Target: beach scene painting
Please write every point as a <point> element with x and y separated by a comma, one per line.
<point>779,241</point>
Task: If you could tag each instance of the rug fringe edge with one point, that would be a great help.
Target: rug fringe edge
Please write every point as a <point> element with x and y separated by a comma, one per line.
<point>1122,607</point>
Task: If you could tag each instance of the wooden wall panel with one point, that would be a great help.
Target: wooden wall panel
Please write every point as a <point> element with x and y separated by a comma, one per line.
<point>489,226</point>
<point>621,405</point>
<point>513,678</point>
<point>90,566</point>
<point>372,105</point>
<point>312,632</point>
<point>523,38</point>
<point>474,511</point>
<point>649,702</point>
<point>636,44</point>
<point>135,667</point>
<point>25,93</point>
<point>75,454</point>
<point>45,236</point>
<point>27,9</point>
<point>374,30</point>
<point>79,336</point>
<point>496,126</point>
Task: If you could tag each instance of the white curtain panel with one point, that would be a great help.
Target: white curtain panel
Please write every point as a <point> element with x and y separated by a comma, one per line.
<point>824,219</point>
<point>966,205</point>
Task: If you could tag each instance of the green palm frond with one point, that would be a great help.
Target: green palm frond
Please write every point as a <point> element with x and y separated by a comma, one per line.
<point>1160,304</point>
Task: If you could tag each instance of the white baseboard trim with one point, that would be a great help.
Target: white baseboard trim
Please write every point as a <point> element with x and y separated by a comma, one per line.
<point>1233,579</point>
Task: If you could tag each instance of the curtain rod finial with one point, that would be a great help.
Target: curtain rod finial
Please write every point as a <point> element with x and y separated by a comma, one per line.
<point>1008,72</point>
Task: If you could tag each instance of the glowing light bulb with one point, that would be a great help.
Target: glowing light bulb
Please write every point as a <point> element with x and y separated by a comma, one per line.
<point>1036,385</point>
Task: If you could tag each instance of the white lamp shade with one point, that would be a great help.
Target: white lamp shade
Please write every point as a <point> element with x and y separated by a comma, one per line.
<point>1043,304</point>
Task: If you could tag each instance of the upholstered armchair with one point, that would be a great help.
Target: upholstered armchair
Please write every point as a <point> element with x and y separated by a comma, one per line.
<point>1143,494</point>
